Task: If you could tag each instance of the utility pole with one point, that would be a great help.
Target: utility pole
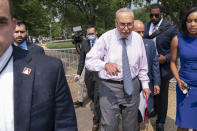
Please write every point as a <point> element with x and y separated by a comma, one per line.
<point>50,33</point>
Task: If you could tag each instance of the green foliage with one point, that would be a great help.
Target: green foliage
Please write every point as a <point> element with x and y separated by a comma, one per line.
<point>173,9</point>
<point>39,14</point>
<point>176,9</point>
<point>34,14</point>
<point>61,45</point>
<point>142,14</point>
<point>83,12</point>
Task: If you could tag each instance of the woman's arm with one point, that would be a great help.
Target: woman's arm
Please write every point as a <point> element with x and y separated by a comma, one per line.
<point>174,52</point>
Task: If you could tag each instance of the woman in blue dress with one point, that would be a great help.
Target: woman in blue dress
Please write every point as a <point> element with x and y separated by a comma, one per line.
<point>185,46</point>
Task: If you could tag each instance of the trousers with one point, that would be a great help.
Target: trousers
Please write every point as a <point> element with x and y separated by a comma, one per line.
<point>116,104</point>
<point>91,79</point>
<point>161,101</point>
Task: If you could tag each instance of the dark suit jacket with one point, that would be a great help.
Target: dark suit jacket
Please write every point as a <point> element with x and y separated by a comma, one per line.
<point>42,99</point>
<point>153,63</point>
<point>35,49</point>
<point>163,41</point>
<point>85,48</point>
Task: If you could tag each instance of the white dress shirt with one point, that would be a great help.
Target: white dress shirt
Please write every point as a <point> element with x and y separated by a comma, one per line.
<point>6,92</point>
<point>154,27</point>
<point>108,49</point>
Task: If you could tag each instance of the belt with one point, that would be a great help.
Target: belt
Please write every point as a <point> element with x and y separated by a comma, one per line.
<point>113,81</point>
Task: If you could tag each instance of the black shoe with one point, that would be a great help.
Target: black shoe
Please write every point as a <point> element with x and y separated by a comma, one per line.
<point>151,114</point>
<point>159,127</point>
<point>78,104</point>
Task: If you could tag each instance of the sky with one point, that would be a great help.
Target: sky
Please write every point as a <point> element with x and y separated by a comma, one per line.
<point>134,7</point>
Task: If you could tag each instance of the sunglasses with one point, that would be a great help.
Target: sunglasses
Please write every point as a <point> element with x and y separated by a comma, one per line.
<point>156,15</point>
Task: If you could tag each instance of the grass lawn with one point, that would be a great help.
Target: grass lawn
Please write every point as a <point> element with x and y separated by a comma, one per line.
<point>60,45</point>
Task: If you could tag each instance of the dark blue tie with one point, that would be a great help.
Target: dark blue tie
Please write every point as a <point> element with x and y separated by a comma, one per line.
<point>91,44</point>
<point>127,79</point>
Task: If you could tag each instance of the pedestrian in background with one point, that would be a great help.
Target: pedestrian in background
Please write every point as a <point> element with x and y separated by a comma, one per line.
<point>91,77</point>
<point>20,39</point>
<point>153,65</point>
<point>162,32</point>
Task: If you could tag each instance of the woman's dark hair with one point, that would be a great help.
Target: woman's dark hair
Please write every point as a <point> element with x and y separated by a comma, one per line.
<point>184,27</point>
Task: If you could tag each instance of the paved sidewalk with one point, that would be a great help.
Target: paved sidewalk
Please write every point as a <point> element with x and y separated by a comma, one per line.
<point>84,119</point>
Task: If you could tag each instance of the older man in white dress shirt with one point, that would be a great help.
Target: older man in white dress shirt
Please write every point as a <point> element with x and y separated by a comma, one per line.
<point>118,52</point>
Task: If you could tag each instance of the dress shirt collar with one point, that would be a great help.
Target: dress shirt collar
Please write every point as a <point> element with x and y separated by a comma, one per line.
<point>154,27</point>
<point>5,57</point>
<point>23,45</point>
<point>157,25</point>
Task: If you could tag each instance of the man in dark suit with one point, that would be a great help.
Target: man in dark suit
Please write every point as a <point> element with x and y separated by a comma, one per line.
<point>153,64</point>
<point>162,41</point>
<point>34,94</point>
<point>90,76</point>
<point>20,39</point>
<point>153,69</point>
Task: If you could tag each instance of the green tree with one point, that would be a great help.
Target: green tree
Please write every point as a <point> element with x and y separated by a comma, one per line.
<point>84,12</point>
<point>34,13</point>
<point>173,9</point>
<point>176,9</point>
<point>141,14</point>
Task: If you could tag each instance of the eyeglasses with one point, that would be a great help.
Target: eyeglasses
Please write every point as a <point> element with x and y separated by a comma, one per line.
<point>123,25</point>
<point>156,15</point>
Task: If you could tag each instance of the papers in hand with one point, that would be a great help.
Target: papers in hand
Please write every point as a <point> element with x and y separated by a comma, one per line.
<point>143,106</point>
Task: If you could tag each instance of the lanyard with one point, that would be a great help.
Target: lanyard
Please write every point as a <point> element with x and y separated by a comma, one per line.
<point>6,64</point>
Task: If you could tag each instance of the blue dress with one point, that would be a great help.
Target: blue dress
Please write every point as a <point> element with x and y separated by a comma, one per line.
<point>186,115</point>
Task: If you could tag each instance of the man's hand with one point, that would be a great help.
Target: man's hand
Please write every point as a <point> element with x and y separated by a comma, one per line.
<point>147,92</point>
<point>161,58</point>
<point>112,68</point>
<point>156,89</point>
<point>76,78</point>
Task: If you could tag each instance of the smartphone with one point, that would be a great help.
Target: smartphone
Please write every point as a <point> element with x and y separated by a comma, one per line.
<point>186,88</point>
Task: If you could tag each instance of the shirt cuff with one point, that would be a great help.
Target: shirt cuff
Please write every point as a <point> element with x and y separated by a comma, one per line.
<point>145,85</point>
<point>103,65</point>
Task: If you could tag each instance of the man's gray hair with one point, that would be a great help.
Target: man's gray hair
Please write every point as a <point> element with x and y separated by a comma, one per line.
<point>124,10</point>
